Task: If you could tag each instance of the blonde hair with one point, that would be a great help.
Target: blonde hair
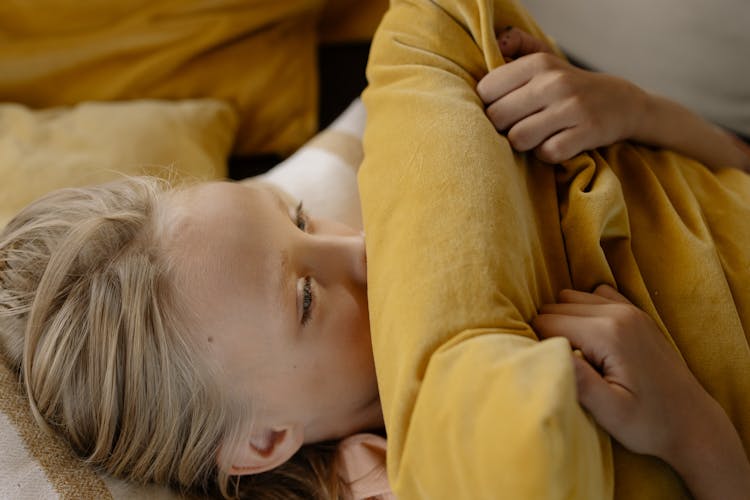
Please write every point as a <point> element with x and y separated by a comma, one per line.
<point>90,319</point>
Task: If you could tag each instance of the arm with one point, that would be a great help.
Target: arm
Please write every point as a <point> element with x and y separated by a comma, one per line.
<point>323,172</point>
<point>666,124</point>
<point>639,390</point>
<point>557,110</point>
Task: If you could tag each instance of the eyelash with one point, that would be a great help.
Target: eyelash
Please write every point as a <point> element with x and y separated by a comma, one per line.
<point>307,300</point>
<point>300,218</point>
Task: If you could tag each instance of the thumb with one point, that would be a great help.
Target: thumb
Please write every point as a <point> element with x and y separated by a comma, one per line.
<point>606,402</point>
<point>515,43</point>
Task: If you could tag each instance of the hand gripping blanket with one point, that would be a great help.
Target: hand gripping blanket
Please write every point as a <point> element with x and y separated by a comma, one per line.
<point>467,239</point>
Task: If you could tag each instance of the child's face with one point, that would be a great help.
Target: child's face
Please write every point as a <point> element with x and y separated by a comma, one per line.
<point>281,305</point>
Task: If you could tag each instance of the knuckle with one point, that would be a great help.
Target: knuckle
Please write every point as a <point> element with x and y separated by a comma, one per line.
<point>484,87</point>
<point>611,325</point>
<point>623,319</point>
<point>563,81</point>
<point>482,90</point>
<point>576,101</point>
<point>552,151</point>
<point>540,325</point>
<point>544,61</point>
<point>629,313</point>
<point>520,139</point>
<point>558,83</point>
<point>495,113</point>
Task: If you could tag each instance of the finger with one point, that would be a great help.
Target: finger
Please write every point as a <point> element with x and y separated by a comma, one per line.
<point>610,293</point>
<point>520,103</point>
<point>577,297</point>
<point>562,146</point>
<point>533,130</point>
<point>508,77</point>
<point>583,333</point>
<point>502,80</point>
<point>570,309</point>
<point>607,403</point>
<point>514,42</point>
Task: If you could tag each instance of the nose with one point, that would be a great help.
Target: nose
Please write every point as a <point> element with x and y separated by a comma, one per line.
<point>341,258</point>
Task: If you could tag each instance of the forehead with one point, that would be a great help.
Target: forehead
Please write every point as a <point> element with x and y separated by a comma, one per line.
<point>201,206</point>
<point>215,221</point>
<point>228,245</point>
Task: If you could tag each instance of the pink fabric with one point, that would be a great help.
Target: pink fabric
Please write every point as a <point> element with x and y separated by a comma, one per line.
<point>362,459</point>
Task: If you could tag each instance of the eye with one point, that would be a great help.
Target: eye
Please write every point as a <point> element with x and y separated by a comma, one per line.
<point>307,300</point>
<point>300,217</point>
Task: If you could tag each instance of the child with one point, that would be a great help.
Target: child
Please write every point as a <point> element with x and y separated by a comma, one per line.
<point>188,335</point>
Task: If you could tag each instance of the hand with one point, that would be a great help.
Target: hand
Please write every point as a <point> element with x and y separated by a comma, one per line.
<point>632,380</point>
<point>640,391</point>
<point>547,105</point>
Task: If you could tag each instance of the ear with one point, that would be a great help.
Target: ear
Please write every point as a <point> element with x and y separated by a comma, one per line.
<point>265,449</point>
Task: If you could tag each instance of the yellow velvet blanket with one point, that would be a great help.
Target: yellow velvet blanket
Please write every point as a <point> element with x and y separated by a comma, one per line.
<point>467,239</point>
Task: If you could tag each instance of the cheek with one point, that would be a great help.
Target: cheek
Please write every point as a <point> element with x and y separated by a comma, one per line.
<point>349,320</point>
<point>347,329</point>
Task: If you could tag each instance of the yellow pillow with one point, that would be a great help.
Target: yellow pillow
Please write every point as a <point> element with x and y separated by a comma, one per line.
<point>258,55</point>
<point>94,142</point>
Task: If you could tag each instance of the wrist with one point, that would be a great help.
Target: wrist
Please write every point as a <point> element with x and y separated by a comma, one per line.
<point>697,437</point>
<point>642,118</point>
<point>666,124</point>
<point>649,126</point>
<point>710,456</point>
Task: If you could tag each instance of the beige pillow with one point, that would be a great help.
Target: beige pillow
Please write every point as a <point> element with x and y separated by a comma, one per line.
<point>94,142</point>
